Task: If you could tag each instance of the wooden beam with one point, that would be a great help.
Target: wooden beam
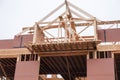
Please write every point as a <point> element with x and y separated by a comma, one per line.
<point>13,53</point>
<point>108,47</point>
<point>78,24</point>
<point>51,12</point>
<point>75,13</point>
<point>80,10</point>
<point>38,36</point>
<point>95,29</point>
<point>63,53</point>
<point>63,24</point>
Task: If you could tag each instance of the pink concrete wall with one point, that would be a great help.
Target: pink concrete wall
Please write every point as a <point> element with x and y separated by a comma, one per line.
<point>19,41</point>
<point>6,44</point>
<point>101,35</point>
<point>27,39</point>
<point>100,69</point>
<point>27,70</point>
<point>112,35</point>
<point>109,35</point>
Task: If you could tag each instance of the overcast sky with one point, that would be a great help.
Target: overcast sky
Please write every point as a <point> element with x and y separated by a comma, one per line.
<point>16,14</point>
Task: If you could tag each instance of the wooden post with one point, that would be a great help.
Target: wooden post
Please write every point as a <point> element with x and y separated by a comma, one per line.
<point>112,54</point>
<point>95,54</point>
<point>95,29</point>
<point>38,36</point>
<point>18,58</point>
<point>88,55</point>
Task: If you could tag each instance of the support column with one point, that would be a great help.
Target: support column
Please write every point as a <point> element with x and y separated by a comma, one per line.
<point>95,29</point>
<point>27,70</point>
<point>100,69</point>
<point>38,36</point>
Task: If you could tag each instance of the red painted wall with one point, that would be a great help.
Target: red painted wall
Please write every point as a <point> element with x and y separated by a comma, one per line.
<point>109,35</point>
<point>100,69</point>
<point>105,35</point>
<point>27,70</point>
<point>5,44</point>
<point>17,42</point>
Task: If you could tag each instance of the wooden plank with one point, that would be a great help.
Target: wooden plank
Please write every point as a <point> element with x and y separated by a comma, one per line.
<point>67,46</point>
<point>62,47</point>
<point>13,53</point>
<point>108,47</point>
<point>95,29</point>
<point>56,47</point>
<point>50,47</point>
<point>51,12</point>
<point>81,11</point>
<point>64,53</point>
<point>78,25</point>
<point>38,36</point>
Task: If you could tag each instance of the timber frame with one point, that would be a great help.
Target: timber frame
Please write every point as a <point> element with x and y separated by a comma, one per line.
<point>75,19</point>
<point>61,41</point>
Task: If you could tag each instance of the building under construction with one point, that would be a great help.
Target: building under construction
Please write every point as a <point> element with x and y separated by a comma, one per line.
<point>73,46</point>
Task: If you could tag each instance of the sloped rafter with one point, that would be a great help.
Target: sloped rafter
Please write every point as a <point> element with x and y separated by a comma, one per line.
<point>55,10</point>
<point>81,11</point>
<point>65,21</point>
<point>80,17</point>
<point>51,13</point>
<point>69,15</point>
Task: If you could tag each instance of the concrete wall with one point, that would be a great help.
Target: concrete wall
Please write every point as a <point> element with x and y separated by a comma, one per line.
<point>109,35</point>
<point>5,44</point>
<point>27,70</point>
<point>100,69</point>
<point>17,42</point>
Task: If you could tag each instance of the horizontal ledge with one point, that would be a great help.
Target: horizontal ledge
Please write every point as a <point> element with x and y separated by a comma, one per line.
<point>63,53</point>
<point>108,47</point>
<point>14,53</point>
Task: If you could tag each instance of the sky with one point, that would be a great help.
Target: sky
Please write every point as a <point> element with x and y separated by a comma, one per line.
<point>16,14</point>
